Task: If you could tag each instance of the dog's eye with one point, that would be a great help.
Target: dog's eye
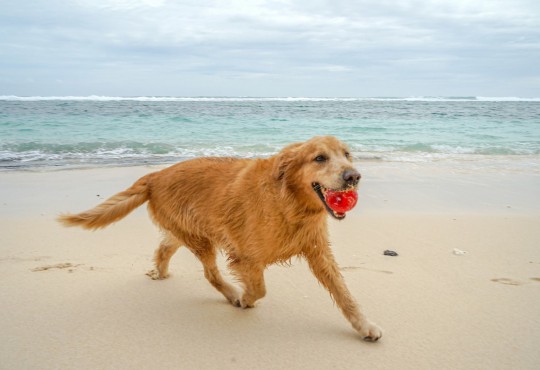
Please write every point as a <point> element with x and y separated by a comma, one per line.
<point>321,158</point>
<point>347,155</point>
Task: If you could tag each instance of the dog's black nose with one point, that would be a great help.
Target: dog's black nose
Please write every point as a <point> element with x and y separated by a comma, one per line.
<point>351,177</point>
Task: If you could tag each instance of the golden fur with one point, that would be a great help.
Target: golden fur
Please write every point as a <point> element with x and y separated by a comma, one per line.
<point>259,211</point>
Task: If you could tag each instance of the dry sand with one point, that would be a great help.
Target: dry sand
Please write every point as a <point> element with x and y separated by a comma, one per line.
<point>73,299</point>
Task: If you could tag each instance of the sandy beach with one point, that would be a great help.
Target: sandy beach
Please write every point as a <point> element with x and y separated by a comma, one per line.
<point>73,299</point>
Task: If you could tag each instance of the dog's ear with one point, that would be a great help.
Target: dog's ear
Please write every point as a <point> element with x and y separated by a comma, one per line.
<point>284,159</point>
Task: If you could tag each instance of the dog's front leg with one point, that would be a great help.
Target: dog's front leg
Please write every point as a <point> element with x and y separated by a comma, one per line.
<point>323,265</point>
<point>251,276</point>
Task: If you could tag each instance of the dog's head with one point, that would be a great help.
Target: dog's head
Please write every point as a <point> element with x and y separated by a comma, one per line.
<point>310,169</point>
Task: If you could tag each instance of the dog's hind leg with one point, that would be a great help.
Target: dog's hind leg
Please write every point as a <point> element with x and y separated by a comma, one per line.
<point>168,246</point>
<point>206,253</point>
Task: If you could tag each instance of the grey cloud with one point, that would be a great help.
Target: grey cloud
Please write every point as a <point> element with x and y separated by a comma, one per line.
<point>314,48</point>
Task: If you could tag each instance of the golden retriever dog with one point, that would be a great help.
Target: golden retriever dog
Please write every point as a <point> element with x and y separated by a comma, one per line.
<point>258,211</point>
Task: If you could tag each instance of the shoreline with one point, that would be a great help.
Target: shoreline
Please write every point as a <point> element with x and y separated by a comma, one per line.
<point>71,298</point>
<point>454,161</point>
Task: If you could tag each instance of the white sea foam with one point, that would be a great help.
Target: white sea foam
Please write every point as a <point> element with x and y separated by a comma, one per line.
<point>507,98</point>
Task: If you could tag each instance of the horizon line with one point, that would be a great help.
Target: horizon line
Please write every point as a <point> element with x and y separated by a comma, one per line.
<point>94,97</point>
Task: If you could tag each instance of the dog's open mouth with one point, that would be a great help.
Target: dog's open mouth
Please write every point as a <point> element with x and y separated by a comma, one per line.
<point>336,202</point>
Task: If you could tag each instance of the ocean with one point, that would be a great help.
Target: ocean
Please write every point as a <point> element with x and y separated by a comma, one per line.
<point>47,133</point>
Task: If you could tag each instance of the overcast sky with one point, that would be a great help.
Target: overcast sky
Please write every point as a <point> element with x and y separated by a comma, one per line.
<point>309,48</point>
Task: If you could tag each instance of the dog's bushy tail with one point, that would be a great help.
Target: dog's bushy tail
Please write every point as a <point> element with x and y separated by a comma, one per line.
<point>113,209</point>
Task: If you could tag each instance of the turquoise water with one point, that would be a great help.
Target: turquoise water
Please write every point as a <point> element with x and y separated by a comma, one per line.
<point>66,132</point>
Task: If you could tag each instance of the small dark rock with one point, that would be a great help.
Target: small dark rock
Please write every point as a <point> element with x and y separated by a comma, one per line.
<point>390,253</point>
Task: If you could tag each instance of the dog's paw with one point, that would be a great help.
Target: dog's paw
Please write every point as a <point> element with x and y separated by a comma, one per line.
<point>242,303</point>
<point>370,332</point>
<point>155,275</point>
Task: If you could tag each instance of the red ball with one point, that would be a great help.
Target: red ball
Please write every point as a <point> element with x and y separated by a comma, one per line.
<point>341,201</point>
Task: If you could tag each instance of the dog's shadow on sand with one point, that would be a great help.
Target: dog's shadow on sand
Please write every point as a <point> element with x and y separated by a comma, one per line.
<point>185,302</point>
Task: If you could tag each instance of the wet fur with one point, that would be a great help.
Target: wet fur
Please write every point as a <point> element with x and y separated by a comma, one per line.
<point>259,211</point>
